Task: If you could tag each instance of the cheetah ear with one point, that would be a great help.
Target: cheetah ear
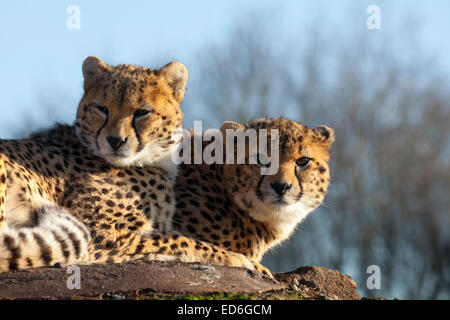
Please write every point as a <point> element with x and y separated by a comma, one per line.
<point>324,134</point>
<point>93,65</point>
<point>231,125</point>
<point>176,75</point>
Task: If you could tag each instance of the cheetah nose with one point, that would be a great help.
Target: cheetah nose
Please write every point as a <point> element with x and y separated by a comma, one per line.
<point>116,142</point>
<point>280,187</point>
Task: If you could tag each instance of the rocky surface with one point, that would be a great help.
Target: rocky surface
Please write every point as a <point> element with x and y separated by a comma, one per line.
<point>314,282</point>
<point>164,280</point>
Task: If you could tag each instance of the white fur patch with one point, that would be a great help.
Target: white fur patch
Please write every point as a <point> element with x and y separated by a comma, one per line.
<point>282,218</point>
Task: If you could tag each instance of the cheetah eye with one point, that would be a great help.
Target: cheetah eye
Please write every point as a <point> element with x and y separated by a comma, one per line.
<point>140,113</point>
<point>103,110</point>
<point>303,162</point>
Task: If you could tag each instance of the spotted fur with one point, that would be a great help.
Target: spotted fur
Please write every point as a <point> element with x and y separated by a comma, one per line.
<point>102,189</point>
<point>2,191</point>
<point>236,208</point>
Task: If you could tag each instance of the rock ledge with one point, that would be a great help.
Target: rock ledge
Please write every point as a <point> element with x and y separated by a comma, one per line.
<point>139,279</point>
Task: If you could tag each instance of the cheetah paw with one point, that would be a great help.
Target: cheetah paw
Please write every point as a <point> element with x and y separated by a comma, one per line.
<point>262,269</point>
<point>238,260</point>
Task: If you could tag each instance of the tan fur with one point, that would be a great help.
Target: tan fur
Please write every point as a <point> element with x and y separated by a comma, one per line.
<point>2,192</point>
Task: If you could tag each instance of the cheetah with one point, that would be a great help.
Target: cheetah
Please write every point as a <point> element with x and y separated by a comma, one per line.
<point>101,190</point>
<point>236,208</point>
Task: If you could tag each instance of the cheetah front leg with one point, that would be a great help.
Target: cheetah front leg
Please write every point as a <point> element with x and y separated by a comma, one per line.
<point>171,246</point>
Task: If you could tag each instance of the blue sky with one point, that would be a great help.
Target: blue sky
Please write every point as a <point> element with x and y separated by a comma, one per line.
<point>41,58</point>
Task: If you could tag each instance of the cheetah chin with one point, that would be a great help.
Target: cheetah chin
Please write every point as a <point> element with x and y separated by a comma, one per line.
<point>283,216</point>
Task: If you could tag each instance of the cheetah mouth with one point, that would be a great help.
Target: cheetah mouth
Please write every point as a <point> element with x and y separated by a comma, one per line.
<point>116,158</point>
<point>276,201</point>
<point>113,158</point>
<point>280,202</point>
<point>118,154</point>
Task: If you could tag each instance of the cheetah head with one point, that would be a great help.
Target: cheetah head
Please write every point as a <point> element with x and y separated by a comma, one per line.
<point>297,188</point>
<point>129,115</point>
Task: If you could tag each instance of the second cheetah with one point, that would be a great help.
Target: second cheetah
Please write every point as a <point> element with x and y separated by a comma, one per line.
<point>236,208</point>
